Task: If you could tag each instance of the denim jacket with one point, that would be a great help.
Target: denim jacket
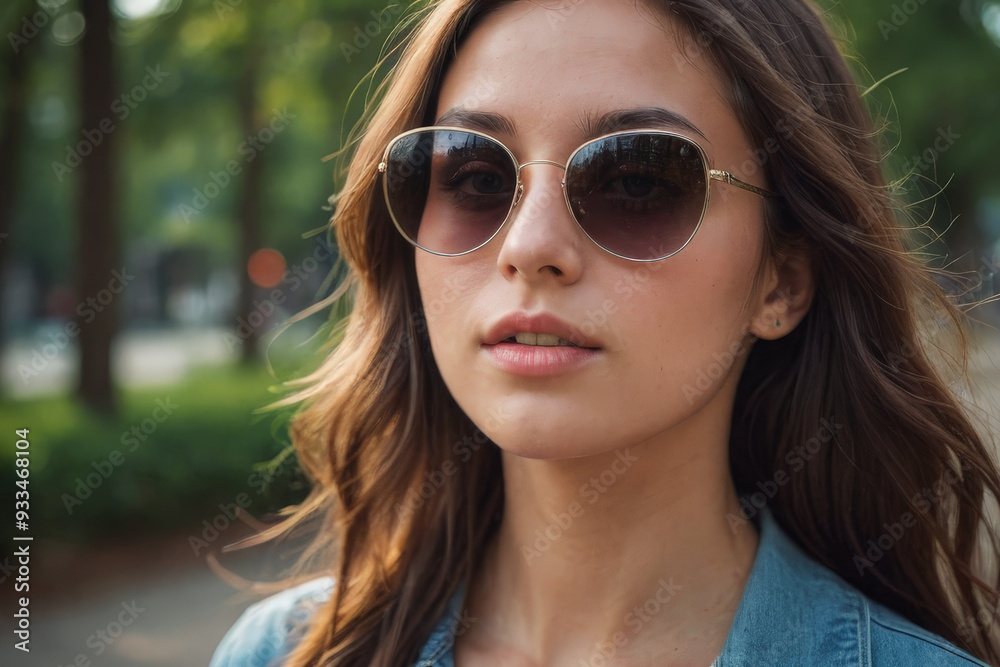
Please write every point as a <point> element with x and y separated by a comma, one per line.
<point>793,611</point>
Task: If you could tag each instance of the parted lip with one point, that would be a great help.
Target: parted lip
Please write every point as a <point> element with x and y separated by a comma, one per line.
<point>519,322</point>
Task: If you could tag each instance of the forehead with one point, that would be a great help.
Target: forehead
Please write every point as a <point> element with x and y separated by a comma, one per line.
<point>549,67</point>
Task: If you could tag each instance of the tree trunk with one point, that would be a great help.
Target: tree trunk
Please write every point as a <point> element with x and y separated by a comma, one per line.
<point>13,109</point>
<point>97,246</point>
<point>248,213</point>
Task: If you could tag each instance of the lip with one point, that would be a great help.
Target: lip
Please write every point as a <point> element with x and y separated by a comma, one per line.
<point>515,323</point>
<point>537,360</point>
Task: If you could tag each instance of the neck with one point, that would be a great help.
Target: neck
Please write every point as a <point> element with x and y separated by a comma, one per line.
<point>628,552</point>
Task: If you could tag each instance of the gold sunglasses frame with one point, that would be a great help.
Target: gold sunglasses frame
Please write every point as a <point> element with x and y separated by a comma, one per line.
<point>710,175</point>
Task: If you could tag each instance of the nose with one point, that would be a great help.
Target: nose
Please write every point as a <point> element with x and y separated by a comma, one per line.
<point>542,239</point>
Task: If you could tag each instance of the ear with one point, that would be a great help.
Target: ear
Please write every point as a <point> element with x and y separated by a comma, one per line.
<point>785,297</point>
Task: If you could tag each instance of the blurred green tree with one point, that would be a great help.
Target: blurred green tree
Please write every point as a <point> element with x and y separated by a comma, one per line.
<point>943,110</point>
<point>13,116</point>
<point>98,241</point>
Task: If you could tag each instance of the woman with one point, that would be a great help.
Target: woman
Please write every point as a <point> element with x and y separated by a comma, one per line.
<point>638,368</point>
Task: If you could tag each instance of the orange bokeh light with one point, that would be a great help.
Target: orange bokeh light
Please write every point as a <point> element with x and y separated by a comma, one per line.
<point>266,267</point>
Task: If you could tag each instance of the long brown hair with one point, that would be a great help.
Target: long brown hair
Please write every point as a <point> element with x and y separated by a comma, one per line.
<point>408,492</point>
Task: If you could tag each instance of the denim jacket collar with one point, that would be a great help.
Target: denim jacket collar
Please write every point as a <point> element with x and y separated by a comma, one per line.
<point>793,611</point>
<point>437,652</point>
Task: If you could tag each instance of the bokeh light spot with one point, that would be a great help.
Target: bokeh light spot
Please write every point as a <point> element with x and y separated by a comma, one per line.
<point>266,267</point>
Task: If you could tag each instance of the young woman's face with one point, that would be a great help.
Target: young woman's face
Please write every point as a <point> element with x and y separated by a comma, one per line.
<point>665,332</point>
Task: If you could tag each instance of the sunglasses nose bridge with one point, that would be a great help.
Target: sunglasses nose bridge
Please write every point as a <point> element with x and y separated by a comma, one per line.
<point>520,183</point>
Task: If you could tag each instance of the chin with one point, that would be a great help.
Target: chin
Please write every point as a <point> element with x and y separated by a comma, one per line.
<point>534,446</point>
<point>540,452</point>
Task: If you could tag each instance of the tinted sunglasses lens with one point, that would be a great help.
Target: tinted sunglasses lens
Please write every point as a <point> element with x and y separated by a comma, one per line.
<point>449,191</point>
<point>638,195</point>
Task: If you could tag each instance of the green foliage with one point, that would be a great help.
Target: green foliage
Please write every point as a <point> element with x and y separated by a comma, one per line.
<point>949,89</point>
<point>188,125</point>
<point>167,475</point>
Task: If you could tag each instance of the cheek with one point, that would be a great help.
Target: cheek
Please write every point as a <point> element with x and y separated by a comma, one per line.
<point>686,319</point>
<point>448,286</point>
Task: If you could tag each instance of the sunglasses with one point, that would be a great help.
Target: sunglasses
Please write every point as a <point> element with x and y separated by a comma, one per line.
<point>638,194</point>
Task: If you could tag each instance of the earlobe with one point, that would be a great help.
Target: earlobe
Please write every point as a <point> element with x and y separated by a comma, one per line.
<point>785,298</point>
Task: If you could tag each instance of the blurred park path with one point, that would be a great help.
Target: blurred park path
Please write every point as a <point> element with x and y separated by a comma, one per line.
<point>139,358</point>
<point>164,608</point>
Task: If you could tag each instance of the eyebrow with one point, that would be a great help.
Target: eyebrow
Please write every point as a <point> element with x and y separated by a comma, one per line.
<point>592,125</point>
<point>631,119</point>
<point>477,120</point>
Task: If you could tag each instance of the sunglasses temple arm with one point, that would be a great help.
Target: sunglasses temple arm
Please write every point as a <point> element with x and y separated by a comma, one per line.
<point>726,177</point>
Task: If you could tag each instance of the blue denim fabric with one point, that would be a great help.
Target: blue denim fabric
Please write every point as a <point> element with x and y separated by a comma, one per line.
<point>793,612</point>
